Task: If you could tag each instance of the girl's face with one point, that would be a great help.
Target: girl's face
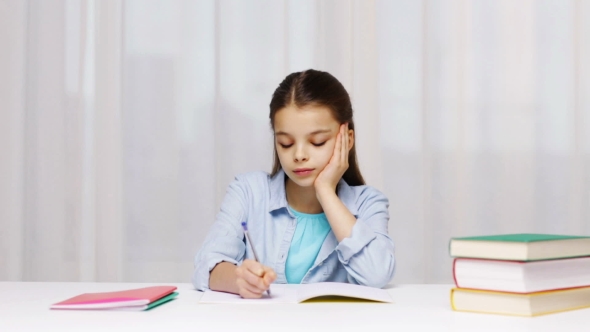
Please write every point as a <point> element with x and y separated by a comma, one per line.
<point>305,139</point>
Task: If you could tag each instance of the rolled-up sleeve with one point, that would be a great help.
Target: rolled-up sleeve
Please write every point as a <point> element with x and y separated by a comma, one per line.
<point>368,254</point>
<point>225,240</point>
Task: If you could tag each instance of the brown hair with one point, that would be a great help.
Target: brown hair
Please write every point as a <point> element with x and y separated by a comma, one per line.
<point>313,87</point>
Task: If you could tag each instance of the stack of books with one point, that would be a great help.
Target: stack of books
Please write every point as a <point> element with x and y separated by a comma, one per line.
<point>140,299</point>
<point>520,274</point>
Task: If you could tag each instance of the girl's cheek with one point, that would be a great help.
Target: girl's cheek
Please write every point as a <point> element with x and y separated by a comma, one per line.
<point>327,153</point>
<point>331,147</point>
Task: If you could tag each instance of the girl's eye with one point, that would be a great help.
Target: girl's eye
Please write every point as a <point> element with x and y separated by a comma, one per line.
<point>285,146</point>
<point>319,144</point>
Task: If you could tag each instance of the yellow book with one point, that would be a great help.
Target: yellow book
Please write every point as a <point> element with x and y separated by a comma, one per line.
<point>531,304</point>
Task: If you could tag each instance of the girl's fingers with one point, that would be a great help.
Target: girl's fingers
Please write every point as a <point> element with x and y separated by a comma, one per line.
<point>337,147</point>
<point>269,275</point>
<point>254,267</point>
<point>344,149</point>
<point>347,144</point>
<point>253,280</point>
<point>252,273</point>
<point>247,291</point>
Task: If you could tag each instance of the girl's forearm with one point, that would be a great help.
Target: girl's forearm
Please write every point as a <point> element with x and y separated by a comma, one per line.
<point>340,219</point>
<point>223,278</point>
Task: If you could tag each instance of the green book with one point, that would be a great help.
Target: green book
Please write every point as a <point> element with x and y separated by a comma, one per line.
<point>161,301</point>
<point>149,306</point>
<point>520,247</point>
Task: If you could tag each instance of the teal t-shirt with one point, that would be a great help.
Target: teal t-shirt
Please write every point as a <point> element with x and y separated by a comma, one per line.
<point>310,233</point>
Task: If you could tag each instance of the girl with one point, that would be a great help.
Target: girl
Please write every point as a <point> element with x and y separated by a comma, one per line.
<point>312,219</point>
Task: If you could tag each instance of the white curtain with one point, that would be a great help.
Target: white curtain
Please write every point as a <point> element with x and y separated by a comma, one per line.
<point>122,122</point>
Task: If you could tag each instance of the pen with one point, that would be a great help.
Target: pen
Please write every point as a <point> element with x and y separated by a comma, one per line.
<point>245,227</point>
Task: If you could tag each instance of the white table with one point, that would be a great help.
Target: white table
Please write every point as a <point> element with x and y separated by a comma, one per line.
<point>24,307</point>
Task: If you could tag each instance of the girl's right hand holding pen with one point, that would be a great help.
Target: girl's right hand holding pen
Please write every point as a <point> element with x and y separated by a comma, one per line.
<point>253,279</point>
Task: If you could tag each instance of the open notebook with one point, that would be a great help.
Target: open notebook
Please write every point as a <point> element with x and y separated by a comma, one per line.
<point>299,293</point>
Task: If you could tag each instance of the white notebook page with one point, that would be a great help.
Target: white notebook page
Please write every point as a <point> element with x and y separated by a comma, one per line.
<point>281,293</point>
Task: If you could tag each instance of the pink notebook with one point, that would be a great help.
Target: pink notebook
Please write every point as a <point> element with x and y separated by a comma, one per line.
<point>106,300</point>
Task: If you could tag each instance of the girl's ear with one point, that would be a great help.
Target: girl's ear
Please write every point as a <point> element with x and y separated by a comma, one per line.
<point>350,139</point>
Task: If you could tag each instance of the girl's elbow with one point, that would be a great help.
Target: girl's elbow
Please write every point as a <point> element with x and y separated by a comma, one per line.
<point>384,278</point>
<point>379,276</point>
<point>386,270</point>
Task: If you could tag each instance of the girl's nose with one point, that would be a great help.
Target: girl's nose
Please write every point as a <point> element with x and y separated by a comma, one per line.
<point>300,155</point>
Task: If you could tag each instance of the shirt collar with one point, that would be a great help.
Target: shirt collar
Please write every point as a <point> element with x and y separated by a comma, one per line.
<point>278,197</point>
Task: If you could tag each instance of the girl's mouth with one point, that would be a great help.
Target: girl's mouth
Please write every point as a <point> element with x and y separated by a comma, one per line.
<point>303,171</point>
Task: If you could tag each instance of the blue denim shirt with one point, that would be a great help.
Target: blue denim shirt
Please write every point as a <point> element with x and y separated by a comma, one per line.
<point>365,258</point>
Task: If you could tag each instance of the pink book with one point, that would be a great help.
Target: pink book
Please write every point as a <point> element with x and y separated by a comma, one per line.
<point>106,300</point>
